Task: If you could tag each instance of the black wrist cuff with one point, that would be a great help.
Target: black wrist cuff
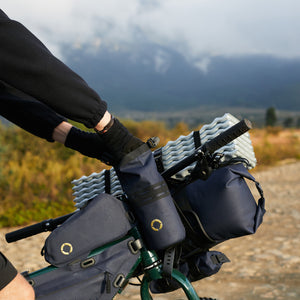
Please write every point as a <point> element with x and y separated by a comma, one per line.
<point>119,141</point>
<point>87,143</point>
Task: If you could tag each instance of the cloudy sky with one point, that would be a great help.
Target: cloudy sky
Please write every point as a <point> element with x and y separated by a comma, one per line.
<point>195,28</point>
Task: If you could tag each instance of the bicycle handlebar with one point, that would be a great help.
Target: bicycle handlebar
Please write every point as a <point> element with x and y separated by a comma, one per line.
<point>208,148</point>
<point>228,136</point>
<point>44,226</point>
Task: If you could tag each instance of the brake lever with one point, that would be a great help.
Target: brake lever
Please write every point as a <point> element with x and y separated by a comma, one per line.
<point>202,169</point>
<point>205,164</point>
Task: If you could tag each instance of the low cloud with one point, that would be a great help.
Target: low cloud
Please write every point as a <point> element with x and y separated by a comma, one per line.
<point>203,64</point>
<point>161,62</point>
<point>194,28</point>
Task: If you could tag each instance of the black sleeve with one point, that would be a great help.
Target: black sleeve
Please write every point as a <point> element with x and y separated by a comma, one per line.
<point>7,271</point>
<point>33,116</point>
<point>27,65</point>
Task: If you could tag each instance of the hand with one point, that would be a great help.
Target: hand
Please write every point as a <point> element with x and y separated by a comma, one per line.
<point>118,141</point>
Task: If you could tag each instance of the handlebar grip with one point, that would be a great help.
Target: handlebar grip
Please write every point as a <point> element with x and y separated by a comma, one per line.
<point>26,232</point>
<point>228,135</point>
<point>44,226</point>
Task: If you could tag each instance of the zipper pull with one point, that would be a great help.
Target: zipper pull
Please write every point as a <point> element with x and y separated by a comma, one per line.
<point>107,283</point>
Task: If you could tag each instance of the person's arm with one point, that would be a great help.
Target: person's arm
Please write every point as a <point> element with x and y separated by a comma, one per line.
<point>27,65</point>
<point>32,116</point>
<point>40,120</point>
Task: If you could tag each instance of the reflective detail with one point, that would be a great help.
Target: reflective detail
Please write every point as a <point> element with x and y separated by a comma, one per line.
<point>31,282</point>
<point>156,225</point>
<point>66,248</point>
<point>119,281</point>
<point>87,263</point>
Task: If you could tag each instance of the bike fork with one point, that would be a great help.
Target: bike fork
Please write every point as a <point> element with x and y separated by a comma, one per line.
<point>152,268</point>
<point>180,278</point>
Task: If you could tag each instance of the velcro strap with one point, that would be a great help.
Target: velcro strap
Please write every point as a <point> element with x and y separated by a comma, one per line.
<point>259,189</point>
<point>158,160</point>
<point>168,261</point>
<point>146,195</point>
<point>107,181</point>
<point>197,139</point>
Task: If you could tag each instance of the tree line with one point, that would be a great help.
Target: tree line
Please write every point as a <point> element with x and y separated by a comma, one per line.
<point>271,119</point>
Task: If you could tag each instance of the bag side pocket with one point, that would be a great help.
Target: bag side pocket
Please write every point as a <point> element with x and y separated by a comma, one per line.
<point>97,277</point>
<point>102,221</point>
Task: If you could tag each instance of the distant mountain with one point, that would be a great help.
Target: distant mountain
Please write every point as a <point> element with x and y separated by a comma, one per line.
<point>153,78</point>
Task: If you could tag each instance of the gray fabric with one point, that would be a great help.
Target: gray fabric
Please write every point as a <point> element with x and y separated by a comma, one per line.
<point>102,221</point>
<point>72,282</point>
<point>7,271</point>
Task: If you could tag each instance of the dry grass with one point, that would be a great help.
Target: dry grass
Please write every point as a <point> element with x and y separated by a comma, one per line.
<point>275,145</point>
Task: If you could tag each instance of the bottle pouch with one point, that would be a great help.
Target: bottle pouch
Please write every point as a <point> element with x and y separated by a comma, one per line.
<point>150,199</point>
<point>102,221</point>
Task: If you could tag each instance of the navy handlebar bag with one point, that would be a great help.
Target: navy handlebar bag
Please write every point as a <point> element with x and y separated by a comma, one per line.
<point>220,208</point>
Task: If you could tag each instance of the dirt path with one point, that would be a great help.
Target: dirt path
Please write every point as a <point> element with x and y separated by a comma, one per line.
<point>263,266</point>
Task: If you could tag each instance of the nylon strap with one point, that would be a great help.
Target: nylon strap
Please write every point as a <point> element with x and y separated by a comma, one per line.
<point>107,181</point>
<point>158,159</point>
<point>168,261</point>
<point>197,139</point>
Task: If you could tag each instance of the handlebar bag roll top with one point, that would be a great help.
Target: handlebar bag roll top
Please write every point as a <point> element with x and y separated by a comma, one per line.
<point>102,221</point>
<point>150,200</point>
<point>222,207</point>
<point>100,276</point>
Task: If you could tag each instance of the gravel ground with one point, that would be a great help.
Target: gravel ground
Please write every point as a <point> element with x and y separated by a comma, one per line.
<point>263,266</point>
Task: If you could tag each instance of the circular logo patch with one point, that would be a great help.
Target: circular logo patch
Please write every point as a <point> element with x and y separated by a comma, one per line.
<point>66,248</point>
<point>156,225</point>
